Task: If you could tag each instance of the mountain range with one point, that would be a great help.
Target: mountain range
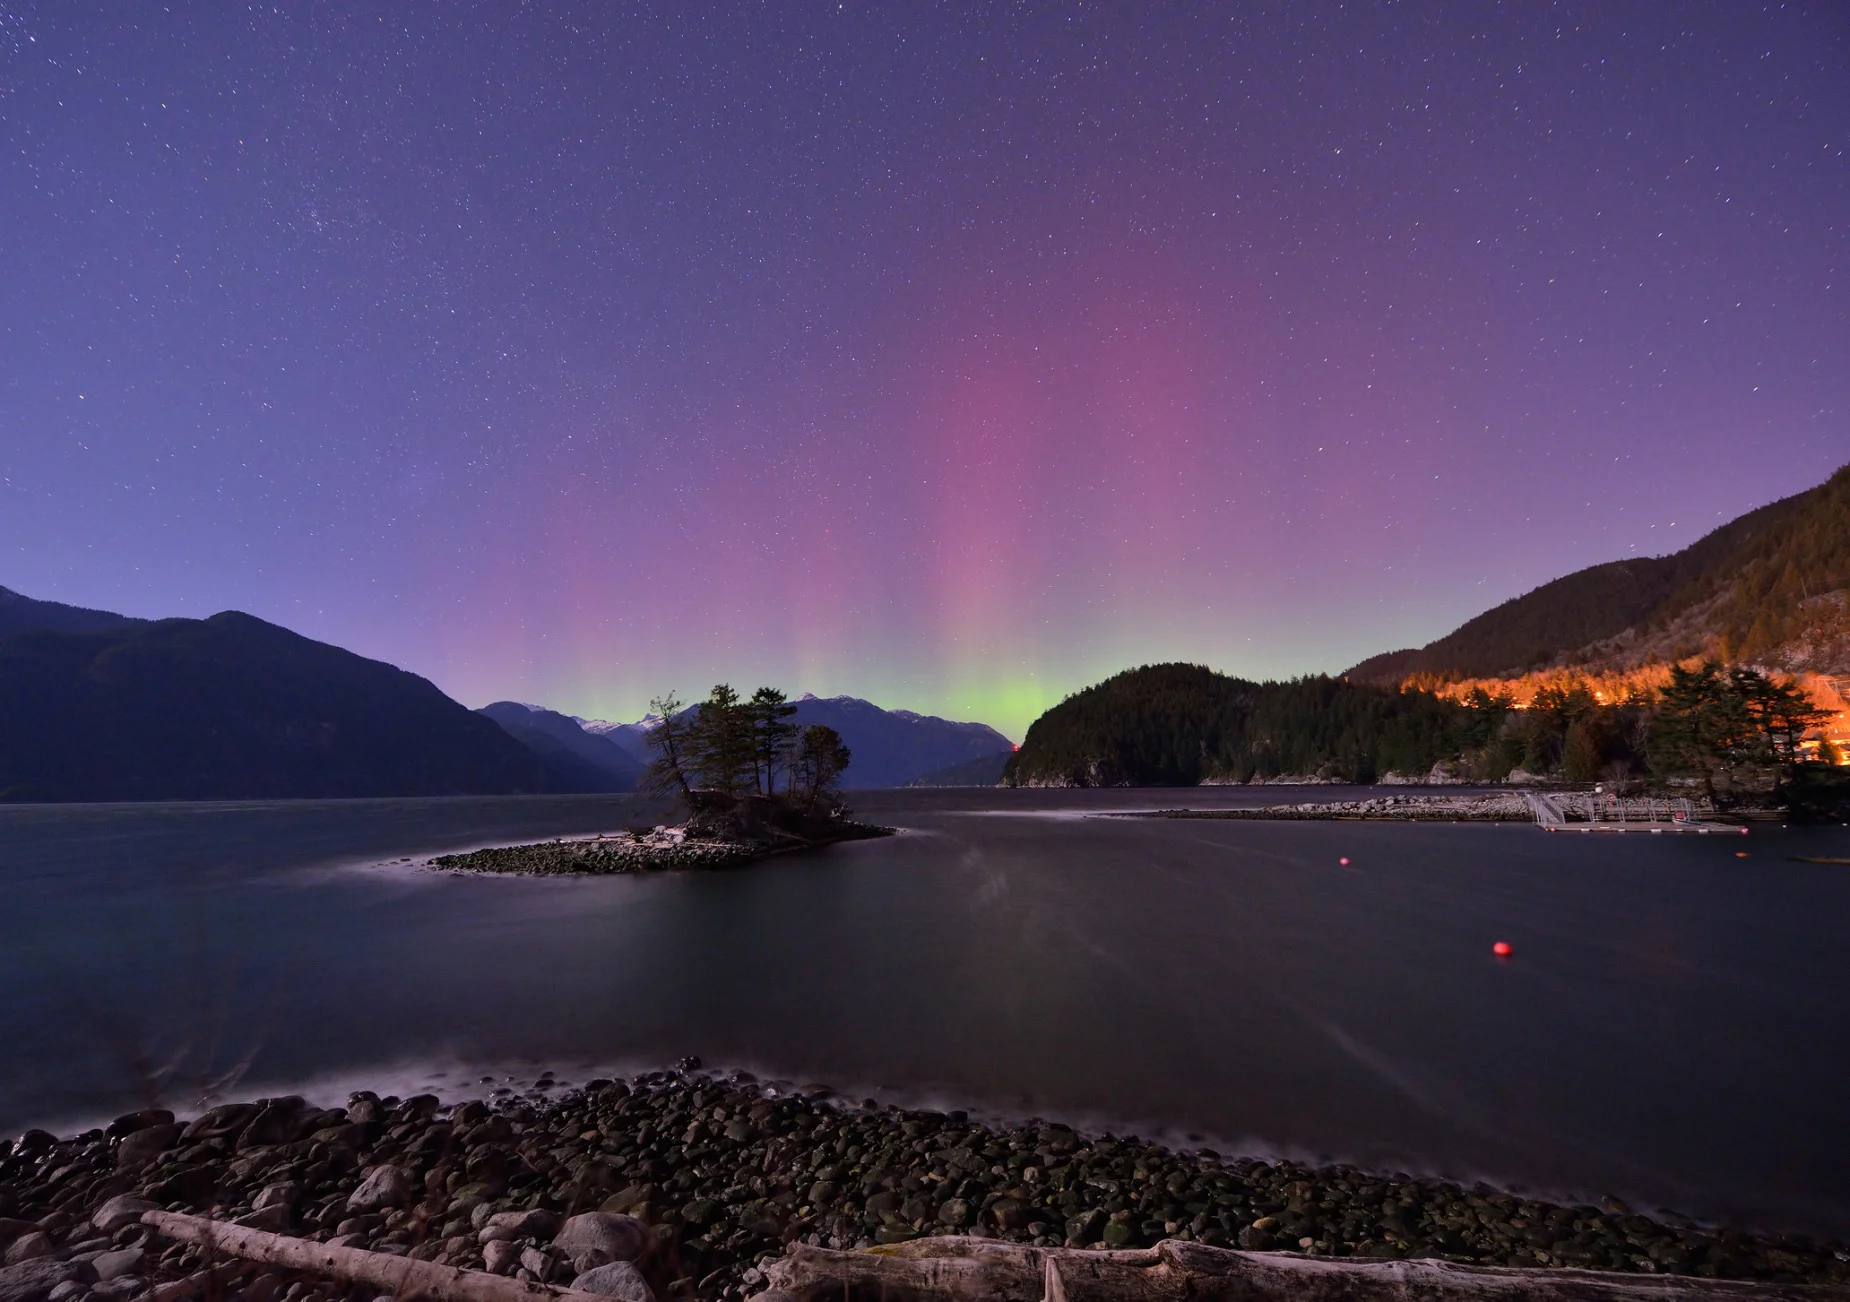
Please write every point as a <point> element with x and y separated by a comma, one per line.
<point>100,706</point>
<point>1770,588</point>
<point>232,707</point>
<point>891,748</point>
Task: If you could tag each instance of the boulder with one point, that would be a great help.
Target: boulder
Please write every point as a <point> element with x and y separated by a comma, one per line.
<point>143,1146</point>
<point>534,1223</point>
<point>214,1123</point>
<point>383,1187</point>
<point>274,1218</point>
<point>119,1212</point>
<point>134,1121</point>
<point>617,1279</point>
<point>536,1263</point>
<point>284,1194</point>
<point>275,1123</point>
<point>33,1281</point>
<point>123,1261</point>
<point>30,1247</point>
<point>598,1238</point>
<point>1084,1229</point>
<point>499,1257</point>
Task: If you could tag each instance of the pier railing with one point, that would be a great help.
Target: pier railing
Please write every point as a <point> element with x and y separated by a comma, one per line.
<point>1600,809</point>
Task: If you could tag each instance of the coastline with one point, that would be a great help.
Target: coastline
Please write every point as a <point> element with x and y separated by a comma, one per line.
<point>663,849</point>
<point>1499,807</point>
<point>727,1171</point>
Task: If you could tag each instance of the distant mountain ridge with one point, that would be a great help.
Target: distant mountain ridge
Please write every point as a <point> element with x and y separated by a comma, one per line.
<point>23,614</point>
<point>596,762</point>
<point>891,748</point>
<point>232,707</point>
<point>1771,587</point>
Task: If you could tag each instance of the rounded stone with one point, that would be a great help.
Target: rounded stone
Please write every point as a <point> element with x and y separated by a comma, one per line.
<point>618,1279</point>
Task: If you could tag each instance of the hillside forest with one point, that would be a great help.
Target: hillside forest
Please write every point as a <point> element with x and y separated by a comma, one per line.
<point>1736,732</point>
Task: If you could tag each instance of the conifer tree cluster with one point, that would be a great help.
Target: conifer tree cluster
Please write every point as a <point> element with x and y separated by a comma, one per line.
<point>731,746</point>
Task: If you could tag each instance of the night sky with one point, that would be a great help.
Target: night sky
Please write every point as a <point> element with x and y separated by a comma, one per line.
<point>954,356</point>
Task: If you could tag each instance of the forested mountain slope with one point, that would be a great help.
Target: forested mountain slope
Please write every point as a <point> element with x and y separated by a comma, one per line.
<point>1772,587</point>
<point>1177,725</point>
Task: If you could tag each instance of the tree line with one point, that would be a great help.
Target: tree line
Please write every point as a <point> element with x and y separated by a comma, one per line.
<point>1739,731</point>
<point>733,746</point>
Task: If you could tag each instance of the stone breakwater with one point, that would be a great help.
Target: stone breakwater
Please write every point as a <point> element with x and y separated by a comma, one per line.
<point>662,850</point>
<point>696,1181</point>
<point>1501,807</point>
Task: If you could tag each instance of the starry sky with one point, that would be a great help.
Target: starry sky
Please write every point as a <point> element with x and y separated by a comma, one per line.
<point>950,355</point>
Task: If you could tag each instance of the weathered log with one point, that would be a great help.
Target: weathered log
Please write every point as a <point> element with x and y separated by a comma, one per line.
<point>400,1276</point>
<point>985,1270</point>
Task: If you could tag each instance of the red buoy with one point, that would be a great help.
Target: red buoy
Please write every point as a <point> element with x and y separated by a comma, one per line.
<point>1502,949</point>
<point>1344,862</point>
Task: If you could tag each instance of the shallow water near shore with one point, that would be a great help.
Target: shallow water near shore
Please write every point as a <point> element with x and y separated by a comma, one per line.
<point>1673,1026</point>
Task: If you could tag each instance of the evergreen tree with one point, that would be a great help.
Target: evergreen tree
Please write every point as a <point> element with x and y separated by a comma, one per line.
<point>773,735</point>
<point>722,747</point>
<point>1781,713</point>
<point>1701,725</point>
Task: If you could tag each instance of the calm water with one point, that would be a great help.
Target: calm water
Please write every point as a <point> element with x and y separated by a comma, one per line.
<point>1674,1027</point>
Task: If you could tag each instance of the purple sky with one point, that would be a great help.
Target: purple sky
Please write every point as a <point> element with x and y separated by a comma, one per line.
<point>952,356</point>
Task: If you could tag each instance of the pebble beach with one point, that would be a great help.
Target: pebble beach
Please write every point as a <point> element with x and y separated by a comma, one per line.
<point>680,1185</point>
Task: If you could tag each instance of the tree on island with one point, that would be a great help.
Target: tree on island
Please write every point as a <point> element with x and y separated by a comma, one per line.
<point>724,752</point>
<point>728,748</point>
<point>821,759</point>
<point>672,743</point>
<point>773,735</point>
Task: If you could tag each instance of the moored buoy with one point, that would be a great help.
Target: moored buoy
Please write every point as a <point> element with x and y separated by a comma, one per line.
<point>1344,861</point>
<point>1502,949</point>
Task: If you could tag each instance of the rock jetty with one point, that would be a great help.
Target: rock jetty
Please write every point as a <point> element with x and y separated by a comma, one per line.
<point>1498,807</point>
<point>685,1184</point>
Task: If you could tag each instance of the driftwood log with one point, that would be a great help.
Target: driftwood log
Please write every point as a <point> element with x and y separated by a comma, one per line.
<point>970,1269</point>
<point>402,1277</point>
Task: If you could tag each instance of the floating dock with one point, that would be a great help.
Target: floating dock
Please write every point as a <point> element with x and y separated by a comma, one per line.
<point>1594,812</point>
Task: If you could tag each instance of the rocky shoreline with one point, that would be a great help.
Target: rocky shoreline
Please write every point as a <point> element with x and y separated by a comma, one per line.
<point>695,1181</point>
<point>1499,807</point>
<point>662,849</point>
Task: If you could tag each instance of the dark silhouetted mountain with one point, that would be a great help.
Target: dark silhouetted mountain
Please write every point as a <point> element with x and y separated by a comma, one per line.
<point>892,747</point>
<point>1771,587</point>
<point>984,772</point>
<point>21,614</point>
<point>1177,725</point>
<point>596,762</point>
<point>232,708</point>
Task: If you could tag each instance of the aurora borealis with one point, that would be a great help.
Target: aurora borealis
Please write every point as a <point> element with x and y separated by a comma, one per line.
<point>949,356</point>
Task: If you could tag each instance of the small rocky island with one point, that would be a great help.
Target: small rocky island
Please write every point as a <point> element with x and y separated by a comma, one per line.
<point>722,834</point>
<point>721,762</point>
